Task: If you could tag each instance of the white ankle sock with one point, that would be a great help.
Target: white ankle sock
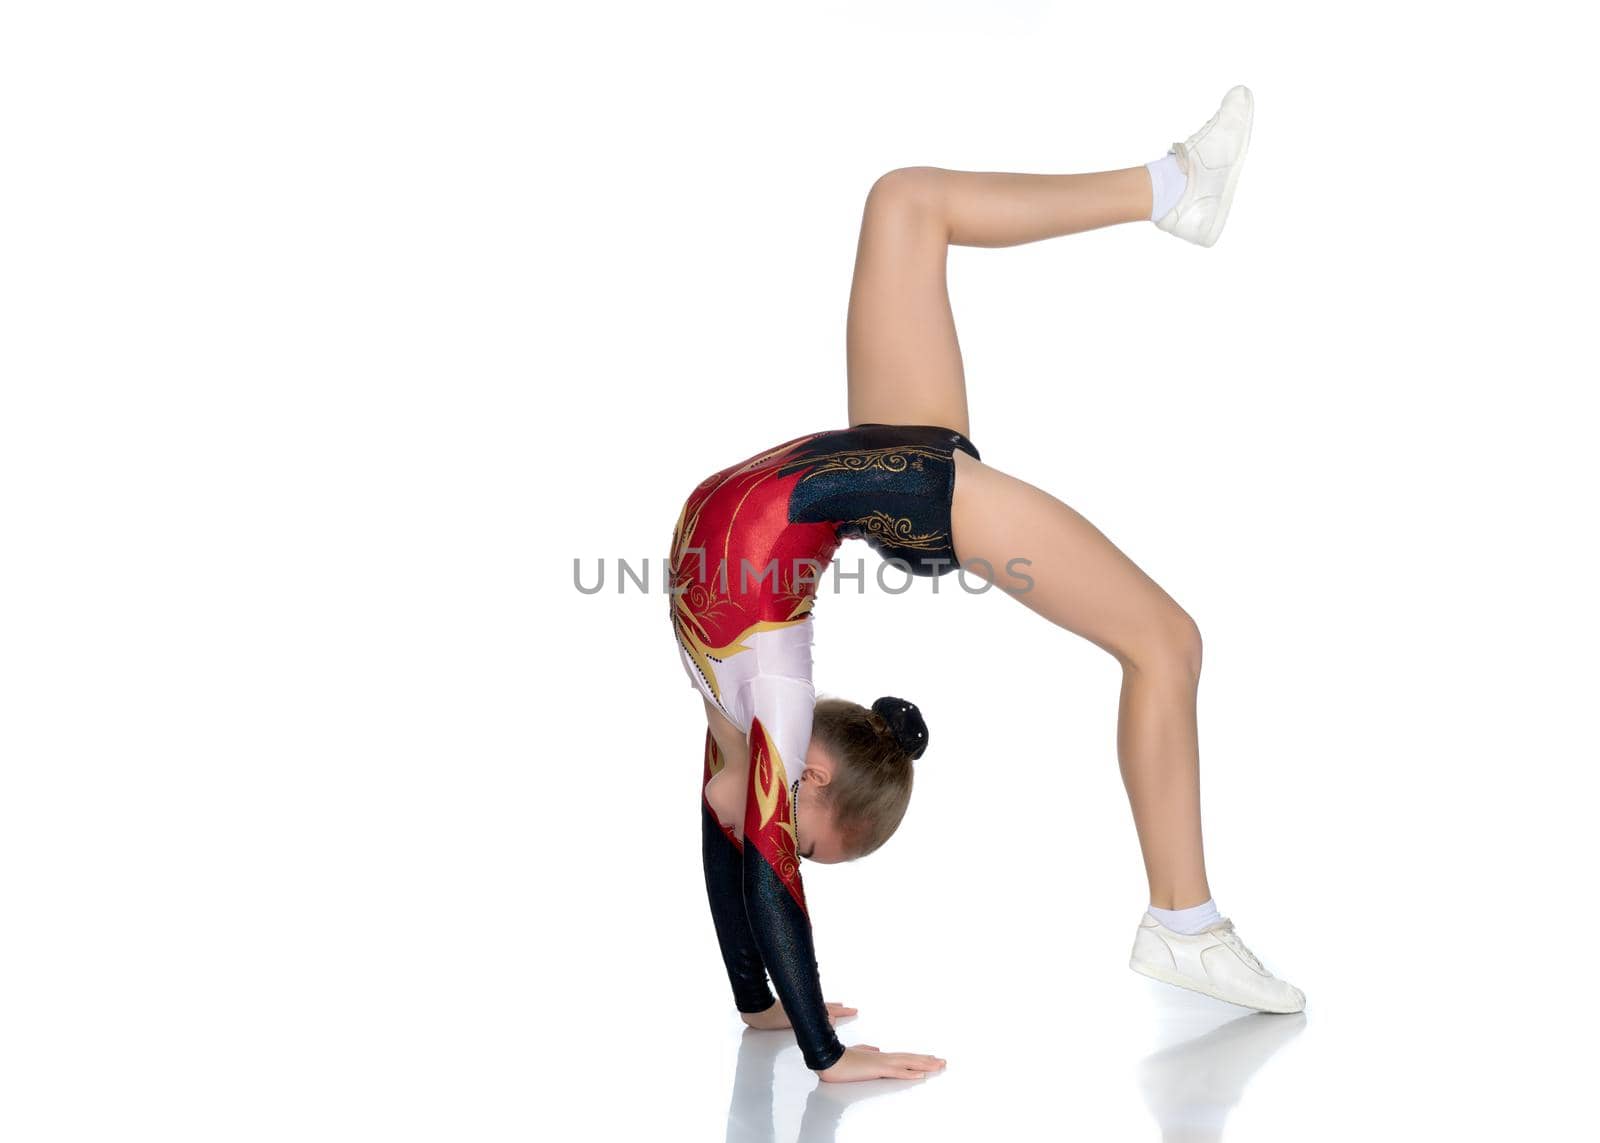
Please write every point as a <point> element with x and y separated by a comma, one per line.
<point>1167,184</point>
<point>1188,921</point>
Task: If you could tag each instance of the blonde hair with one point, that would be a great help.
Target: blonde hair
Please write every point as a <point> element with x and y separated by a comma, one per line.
<point>871,785</point>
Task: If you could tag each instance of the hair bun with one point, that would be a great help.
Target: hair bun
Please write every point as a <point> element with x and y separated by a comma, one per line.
<point>905,723</point>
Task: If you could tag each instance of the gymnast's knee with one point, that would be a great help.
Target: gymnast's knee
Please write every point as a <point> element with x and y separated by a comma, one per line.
<point>1169,647</point>
<point>906,191</point>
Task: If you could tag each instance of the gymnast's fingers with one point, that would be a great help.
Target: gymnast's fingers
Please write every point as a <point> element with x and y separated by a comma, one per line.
<point>889,1072</point>
<point>914,1061</point>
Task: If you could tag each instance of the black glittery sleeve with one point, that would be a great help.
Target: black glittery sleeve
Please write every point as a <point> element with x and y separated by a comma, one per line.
<point>723,860</point>
<point>783,933</point>
<point>774,898</point>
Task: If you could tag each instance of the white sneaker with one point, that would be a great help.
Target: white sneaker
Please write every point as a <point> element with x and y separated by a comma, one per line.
<point>1212,158</point>
<point>1213,961</point>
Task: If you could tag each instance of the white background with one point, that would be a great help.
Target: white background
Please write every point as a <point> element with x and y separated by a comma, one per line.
<point>334,332</point>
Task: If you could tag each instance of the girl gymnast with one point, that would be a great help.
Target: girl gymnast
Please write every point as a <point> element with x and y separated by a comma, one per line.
<point>752,539</point>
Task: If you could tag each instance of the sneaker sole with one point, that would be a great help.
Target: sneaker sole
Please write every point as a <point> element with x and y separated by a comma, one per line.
<point>1233,178</point>
<point>1178,980</point>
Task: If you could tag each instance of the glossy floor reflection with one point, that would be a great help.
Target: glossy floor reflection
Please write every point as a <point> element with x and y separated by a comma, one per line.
<point>750,1111</point>
<point>1190,1085</point>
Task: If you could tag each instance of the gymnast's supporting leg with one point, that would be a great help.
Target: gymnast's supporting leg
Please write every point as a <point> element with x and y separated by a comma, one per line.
<point>1082,582</point>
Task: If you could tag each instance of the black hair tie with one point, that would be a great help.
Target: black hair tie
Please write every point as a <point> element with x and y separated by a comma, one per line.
<point>905,723</point>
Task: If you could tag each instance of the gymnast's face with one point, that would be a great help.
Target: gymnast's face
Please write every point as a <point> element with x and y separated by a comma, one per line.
<point>816,836</point>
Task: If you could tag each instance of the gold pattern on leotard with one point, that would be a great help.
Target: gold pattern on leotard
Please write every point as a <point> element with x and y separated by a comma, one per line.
<point>700,593</point>
<point>702,654</point>
<point>771,783</point>
<point>800,596</point>
<point>898,530</point>
<point>895,459</point>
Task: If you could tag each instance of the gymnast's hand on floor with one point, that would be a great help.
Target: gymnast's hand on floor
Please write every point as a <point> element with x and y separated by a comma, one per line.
<point>865,1062</point>
<point>775,1017</point>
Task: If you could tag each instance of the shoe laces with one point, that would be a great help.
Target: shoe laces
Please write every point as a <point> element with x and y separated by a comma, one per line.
<point>1182,150</point>
<point>1224,932</point>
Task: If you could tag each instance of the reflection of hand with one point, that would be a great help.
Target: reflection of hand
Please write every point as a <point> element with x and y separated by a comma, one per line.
<point>775,1017</point>
<point>865,1062</point>
<point>750,1118</point>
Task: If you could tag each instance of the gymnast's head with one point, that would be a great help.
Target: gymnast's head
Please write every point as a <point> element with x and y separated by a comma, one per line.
<point>857,779</point>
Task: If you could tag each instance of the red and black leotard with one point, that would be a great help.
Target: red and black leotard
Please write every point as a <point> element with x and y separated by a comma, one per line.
<point>747,552</point>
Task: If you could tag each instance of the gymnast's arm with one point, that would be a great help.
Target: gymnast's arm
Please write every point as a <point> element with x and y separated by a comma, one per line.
<point>774,901</point>
<point>722,856</point>
<point>774,898</point>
